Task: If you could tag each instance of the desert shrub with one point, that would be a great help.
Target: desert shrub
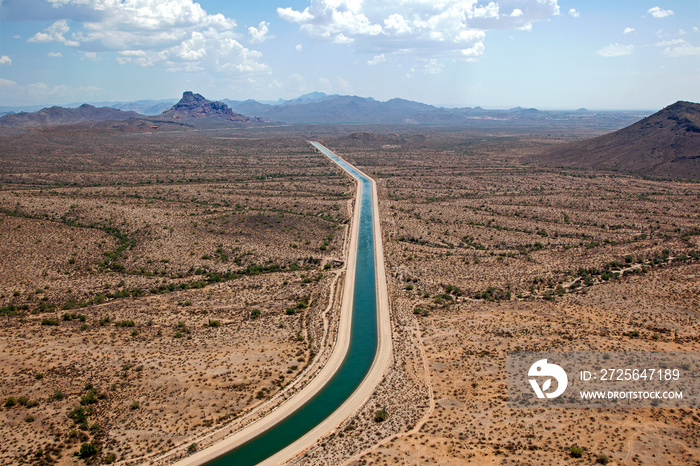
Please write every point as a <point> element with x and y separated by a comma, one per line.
<point>78,414</point>
<point>134,404</point>
<point>49,321</point>
<point>255,313</point>
<point>291,311</point>
<point>10,402</point>
<point>125,323</point>
<point>91,397</point>
<point>87,450</point>
<point>602,459</point>
<point>110,458</point>
<point>380,415</point>
<point>214,323</point>
<point>192,448</point>
<point>576,451</point>
<point>58,395</point>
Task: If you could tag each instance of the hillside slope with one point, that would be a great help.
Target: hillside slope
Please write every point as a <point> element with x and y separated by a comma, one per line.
<point>665,144</point>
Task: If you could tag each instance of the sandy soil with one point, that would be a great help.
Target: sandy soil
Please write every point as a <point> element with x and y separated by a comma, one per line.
<point>154,280</point>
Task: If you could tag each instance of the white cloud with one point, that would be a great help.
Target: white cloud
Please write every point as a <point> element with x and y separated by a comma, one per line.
<point>55,33</point>
<point>433,66</point>
<point>259,34</point>
<point>299,47</point>
<point>5,60</point>
<point>657,12</point>
<point>615,50</point>
<point>91,56</point>
<point>177,34</point>
<point>677,48</point>
<point>628,30</point>
<point>454,28</point>
<point>377,59</point>
<point>55,54</point>
<point>573,13</point>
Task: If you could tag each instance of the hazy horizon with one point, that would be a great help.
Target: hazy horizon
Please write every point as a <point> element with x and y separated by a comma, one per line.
<point>546,54</point>
<point>274,102</point>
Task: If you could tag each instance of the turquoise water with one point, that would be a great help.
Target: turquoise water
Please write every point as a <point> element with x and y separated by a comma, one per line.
<point>357,362</point>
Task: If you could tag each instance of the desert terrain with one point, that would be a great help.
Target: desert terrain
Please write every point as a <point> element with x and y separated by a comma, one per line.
<point>487,253</point>
<point>157,287</point>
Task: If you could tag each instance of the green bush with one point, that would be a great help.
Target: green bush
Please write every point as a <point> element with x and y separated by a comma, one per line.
<point>576,451</point>
<point>602,459</point>
<point>49,321</point>
<point>125,323</point>
<point>380,415</point>
<point>87,450</point>
<point>291,311</point>
<point>78,415</point>
<point>255,313</point>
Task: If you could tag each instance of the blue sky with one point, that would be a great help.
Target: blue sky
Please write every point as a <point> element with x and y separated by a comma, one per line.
<point>598,54</point>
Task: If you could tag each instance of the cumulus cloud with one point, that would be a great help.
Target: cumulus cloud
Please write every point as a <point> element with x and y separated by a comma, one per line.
<point>55,33</point>
<point>178,34</point>
<point>615,50</point>
<point>573,13</point>
<point>377,59</point>
<point>657,12</point>
<point>454,28</point>
<point>259,34</point>
<point>55,54</point>
<point>628,30</point>
<point>5,60</point>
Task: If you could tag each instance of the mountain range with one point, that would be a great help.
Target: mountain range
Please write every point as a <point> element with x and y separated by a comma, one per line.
<point>665,144</point>
<point>321,108</point>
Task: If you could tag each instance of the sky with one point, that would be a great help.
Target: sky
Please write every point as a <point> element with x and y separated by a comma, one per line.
<point>548,54</point>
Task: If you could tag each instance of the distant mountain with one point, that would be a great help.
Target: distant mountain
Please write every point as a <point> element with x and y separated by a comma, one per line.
<point>195,109</point>
<point>54,116</point>
<point>320,108</point>
<point>339,109</point>
<point>145,107</point>
<point>665,144</point>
